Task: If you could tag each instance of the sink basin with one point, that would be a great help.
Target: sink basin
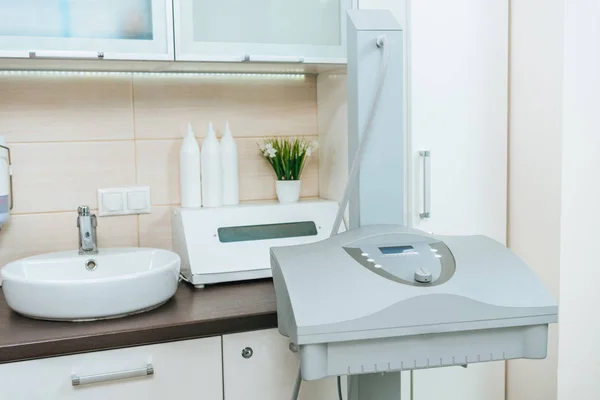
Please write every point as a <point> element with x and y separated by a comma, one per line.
<point>72,287</point>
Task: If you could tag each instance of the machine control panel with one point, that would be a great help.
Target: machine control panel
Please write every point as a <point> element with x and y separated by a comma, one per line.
<point>405,258</point>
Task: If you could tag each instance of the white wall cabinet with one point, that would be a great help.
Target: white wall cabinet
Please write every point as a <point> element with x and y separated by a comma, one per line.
<point>281,31</point>
<point>311,31</point>
<point>269,372</point>
<point>81,29</point>
<point>185,369</point>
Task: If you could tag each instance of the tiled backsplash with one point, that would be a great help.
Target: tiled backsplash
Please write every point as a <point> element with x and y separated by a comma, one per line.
<point>72,134</point>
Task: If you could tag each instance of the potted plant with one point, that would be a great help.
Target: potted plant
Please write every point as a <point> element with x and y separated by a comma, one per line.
<point>287,156</point>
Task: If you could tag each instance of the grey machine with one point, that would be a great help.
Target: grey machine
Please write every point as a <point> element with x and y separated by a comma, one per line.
<point>382,298</point>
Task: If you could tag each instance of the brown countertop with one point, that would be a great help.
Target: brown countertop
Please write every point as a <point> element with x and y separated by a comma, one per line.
<point>191,313</point>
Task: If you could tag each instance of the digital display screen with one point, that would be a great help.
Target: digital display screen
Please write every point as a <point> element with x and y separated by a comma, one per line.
<point>394,249</point>
<point>266,232</point>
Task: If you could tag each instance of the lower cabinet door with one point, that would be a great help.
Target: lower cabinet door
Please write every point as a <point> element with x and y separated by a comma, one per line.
<point>189,369</point>
<point>483,381</point>
<point>259,366</point>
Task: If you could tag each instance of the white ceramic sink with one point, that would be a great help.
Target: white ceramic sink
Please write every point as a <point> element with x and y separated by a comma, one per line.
<point>110,284</point>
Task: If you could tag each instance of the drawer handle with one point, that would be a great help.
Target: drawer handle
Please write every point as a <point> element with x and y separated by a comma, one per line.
<point>77,380</point>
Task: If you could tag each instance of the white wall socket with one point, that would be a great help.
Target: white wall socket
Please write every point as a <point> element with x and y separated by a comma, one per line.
<point>124,201</point>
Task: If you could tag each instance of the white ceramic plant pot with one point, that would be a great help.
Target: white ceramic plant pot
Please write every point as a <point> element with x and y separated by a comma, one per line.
<point>288,191</point>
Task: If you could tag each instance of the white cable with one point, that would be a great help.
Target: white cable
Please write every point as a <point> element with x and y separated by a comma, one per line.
<point>297,385</point>
<point>381,42</point>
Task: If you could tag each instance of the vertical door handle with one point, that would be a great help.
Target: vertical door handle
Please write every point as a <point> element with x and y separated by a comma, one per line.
<point>426,155</point>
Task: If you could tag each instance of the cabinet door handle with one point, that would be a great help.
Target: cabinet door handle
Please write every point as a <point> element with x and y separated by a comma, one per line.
<point>79,55</point>
<point>275,59</point>
<point>220,58</point>
<point>77,380</point>
<point>426,155</point>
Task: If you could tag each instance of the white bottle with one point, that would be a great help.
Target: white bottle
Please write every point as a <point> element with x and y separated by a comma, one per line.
<point>229,161</point>
<point>212,190</point>
<point>189,171</point>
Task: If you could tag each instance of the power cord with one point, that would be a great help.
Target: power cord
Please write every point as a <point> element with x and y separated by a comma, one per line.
<point>182,278</point>
<point>297,385</point>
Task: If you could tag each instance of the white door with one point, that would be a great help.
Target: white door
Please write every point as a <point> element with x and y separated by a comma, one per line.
<point>189,369</point>
<point>87,29</point>
<point>310,31</point>
<point>458,68</point>
<point>259,366</point>
<point>458,85</point>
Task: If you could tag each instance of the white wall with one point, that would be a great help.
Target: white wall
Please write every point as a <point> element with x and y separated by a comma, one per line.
<point>579,346</point>
<point>535,167</point>
<point>62,128</point>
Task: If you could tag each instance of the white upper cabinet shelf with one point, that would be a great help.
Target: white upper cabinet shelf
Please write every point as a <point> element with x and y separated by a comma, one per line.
<point>87,29</point>
<point>286,31</point>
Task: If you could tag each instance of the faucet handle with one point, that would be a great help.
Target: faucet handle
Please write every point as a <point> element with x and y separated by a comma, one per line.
<point>83,211</point>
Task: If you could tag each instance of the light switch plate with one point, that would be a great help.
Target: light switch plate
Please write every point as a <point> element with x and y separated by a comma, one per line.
<point>124,201</point>
<point>137,200</point>
<point>112,202</point>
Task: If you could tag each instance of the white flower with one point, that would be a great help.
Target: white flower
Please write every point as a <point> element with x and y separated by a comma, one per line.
<point>270,152</point>
<point>269,146</point>
<point>262,147</point>
<point>311,147</point>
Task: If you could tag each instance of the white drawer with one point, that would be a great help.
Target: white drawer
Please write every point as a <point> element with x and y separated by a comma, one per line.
<point>190,368</point>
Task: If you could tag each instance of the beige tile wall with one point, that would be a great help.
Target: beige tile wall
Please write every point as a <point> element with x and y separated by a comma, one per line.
<point>71,135</point>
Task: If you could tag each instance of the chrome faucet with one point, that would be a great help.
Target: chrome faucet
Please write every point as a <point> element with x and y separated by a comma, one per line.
<point>86,223</point>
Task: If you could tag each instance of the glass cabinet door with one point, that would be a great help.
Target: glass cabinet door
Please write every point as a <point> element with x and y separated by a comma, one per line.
<point>311,31</point>
<point>115,29</point>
